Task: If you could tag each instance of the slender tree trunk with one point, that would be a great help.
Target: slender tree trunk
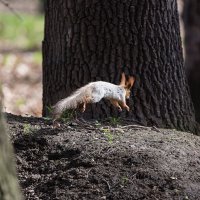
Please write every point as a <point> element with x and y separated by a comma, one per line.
<point>42,6</point>
<point>9,188</point>
<point>89,40</point>
<point>191,18</point>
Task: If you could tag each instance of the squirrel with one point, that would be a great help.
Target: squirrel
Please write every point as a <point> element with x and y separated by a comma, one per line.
<point>95,91</point>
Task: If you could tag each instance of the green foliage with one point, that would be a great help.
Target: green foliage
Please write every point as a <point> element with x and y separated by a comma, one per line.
<point>114,121</point>
<point>50,110</point>
<point>97,124</point>
<point>68,115</point>
<point>37,57</point>
<point>26,32</point>
<point>124,180</point>
<point>28,129</point>
<point>105,130</point>
<point>109,136</point>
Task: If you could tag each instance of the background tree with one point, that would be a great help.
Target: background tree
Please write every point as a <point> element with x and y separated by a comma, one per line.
<point>9,188</point>
<point>191,18</point>
<point>89,40</point>
<point>42,5</point>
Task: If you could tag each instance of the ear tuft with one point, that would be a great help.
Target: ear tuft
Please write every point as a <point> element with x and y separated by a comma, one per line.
<point>130,82</point>
<point>123,80</point>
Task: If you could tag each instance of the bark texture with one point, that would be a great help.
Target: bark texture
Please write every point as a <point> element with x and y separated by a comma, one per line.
<point>191,18</point>
<point>89,40</point>
<point>9,188</point>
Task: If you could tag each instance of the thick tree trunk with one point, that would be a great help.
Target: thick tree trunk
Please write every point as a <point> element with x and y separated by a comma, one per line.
<point>89,40</point>
<point>9,188</point>
<point>191,18</point>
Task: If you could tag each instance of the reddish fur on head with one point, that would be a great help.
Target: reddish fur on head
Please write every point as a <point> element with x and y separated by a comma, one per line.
<point>127,84</point>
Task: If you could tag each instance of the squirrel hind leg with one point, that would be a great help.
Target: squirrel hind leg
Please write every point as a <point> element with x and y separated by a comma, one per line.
<point>56,124</point>
<point>124,105</point>
<point>82,107</point>
<point>55,117</point>
<point>116,104</point>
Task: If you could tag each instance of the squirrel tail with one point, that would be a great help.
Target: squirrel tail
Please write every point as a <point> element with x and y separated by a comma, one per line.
<point>71,102</point>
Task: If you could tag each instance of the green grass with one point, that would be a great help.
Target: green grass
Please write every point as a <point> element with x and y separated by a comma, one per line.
<point>24,33</point>
<point>114,121</point>
<point>109,137</point>
<point>68,115</point>
<point>28,129</point>
<point>37,57</point>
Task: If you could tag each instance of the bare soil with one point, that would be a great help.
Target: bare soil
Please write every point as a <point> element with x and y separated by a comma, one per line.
<point>104,160</point>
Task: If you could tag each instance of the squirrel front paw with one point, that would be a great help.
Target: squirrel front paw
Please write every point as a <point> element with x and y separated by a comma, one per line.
<point>56,124</point>
<point>127,108</point>
<point>119,108</point>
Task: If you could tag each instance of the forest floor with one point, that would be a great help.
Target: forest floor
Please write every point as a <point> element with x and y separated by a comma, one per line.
<point>114,159</point>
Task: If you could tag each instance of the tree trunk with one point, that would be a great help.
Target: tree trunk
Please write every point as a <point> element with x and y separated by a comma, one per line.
<point>191,18</point>
<point>89,40</point>
<point>9,188</point>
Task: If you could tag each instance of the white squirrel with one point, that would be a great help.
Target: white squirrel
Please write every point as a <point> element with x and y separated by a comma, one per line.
<point>95,91</point>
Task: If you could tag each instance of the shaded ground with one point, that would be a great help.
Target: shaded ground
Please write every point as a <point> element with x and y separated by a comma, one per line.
<point>92,160</point>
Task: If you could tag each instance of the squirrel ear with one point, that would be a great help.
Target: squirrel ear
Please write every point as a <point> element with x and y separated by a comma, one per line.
<point>130,82</point>
<point>123,80</point>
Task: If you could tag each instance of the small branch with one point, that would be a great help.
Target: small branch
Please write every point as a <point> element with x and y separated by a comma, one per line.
<point>88,173</point>
<point>6,4</point>
<point>136,126</point>
<point>108,185</point>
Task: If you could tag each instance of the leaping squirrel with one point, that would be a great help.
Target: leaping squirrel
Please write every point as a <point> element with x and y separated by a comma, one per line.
<point>95,91</point>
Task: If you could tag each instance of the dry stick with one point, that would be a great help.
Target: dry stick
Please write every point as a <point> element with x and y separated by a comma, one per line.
<point>5,3</point>
<point>155,129</point>
<point>136,126</point>
<point>127,126</point>
<point>88,173</point>
<point>142,127</point>
<point>109,188</point>
<point>86,125</point>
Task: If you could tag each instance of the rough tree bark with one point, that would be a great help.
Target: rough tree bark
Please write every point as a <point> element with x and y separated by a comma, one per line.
<point>9,188</point>
<point>191,18</point>
<point>89,40</point>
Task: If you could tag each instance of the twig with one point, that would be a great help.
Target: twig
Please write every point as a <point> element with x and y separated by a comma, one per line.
<point>136,126</point>
<point>155,129</point>
<point>88,173</point>
<point>5,3</point>
<point>109,188</point>
<point>85,124</point>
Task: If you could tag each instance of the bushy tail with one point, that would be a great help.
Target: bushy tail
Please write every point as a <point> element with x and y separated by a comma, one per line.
<point>71,102</point>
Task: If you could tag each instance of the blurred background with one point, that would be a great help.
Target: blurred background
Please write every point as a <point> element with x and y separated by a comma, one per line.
<point>21,34</point>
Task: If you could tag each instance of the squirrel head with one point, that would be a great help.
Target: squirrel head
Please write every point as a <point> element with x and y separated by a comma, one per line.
<point>127,84</point>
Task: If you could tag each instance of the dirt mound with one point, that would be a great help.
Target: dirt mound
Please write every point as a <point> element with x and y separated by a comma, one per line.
<point>90,160</point>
